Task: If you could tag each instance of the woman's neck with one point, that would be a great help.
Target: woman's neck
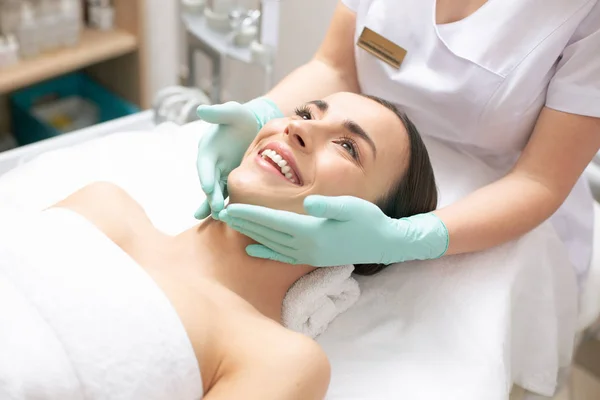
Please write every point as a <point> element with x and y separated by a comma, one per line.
<point>219,253</point>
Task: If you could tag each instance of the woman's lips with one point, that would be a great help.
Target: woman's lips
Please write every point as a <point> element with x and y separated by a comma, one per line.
<point>268,165</point>
<point>280,158</point>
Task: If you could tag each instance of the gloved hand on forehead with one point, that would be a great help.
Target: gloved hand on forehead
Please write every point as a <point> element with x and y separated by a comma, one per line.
<point>222,146</point>
<point>337,231</point>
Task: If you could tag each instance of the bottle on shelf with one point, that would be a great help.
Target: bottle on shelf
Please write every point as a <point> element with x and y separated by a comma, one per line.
<point>27,31</point>
<point>216,13</point>
<point>70,22</point>
<point>101,14</point>
<point>8,51</point>
<point>48,13</point>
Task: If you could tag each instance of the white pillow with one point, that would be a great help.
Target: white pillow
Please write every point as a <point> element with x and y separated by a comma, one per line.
<point>157,168</point>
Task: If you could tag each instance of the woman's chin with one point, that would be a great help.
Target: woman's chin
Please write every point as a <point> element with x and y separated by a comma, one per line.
<point>252,189</point>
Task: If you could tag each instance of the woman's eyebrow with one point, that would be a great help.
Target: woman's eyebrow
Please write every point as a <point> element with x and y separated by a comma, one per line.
<point>321,105</point>
<point>350,125</point>
<point>356,129</point>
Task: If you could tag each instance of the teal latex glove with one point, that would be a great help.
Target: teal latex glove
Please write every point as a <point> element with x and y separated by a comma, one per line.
<point>338,231</point>
<point>222,146</point>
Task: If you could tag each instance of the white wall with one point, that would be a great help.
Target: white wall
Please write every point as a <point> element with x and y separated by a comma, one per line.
<point>162,38</point>
<point>303,24</point>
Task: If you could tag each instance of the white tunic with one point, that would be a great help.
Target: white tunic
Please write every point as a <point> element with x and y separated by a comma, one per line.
<point>481,82</point>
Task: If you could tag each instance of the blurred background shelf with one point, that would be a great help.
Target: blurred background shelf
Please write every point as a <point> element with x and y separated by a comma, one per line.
<point>116,59</point>
<point>94,47</point>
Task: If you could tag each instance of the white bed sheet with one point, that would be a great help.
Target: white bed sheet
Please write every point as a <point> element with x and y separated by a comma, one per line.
<point>463,328</point>
<point>140,121</point>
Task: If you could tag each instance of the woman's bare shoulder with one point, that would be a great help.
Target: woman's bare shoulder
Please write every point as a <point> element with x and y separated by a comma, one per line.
<point>110,208</point>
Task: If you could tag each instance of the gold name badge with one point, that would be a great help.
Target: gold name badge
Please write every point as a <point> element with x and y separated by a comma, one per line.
<point>381,48</point>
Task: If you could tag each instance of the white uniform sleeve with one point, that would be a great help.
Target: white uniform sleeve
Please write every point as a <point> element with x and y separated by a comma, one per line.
<point>575,87</point>
<point>351,4</point>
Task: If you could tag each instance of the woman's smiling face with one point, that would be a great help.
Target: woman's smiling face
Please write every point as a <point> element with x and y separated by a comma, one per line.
<point>343,145</point>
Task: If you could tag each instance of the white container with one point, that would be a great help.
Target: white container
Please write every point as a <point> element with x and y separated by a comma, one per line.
<point>27,32</point>
<point>3,52</point>
<point>192,6</point>
<point>70,32</point>
<point>48,19</point>
<point>70,26</point>
<point>216,13</point>
<point>217,22</point>
<point>222,7</point>
<point>105,18</point>
<point>93,15</point>
<point>10,51</point>
<point>68,114</point>
<point>245,36</point>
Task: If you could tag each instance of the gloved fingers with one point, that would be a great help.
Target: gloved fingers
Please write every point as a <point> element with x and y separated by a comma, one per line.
<point>278,220</point>
<point>203,211</point>
<point>227,113</point>
<point>217,202</point>
<point>218,196</point>
<point>270,243</point>
<point>341,208</point>
<point>206,173</point>
<point>260,251</point>
<point>263,232</point>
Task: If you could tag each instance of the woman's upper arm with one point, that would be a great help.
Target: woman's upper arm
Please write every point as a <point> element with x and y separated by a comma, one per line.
<point>560,148</point>
<point>337,48</point>
<point>567,133</point>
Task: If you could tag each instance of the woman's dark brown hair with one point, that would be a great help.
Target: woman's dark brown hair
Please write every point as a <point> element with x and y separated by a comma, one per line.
<point>415,192</point>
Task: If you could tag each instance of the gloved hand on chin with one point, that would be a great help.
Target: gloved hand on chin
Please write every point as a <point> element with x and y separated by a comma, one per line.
<point>222,146</point>
<point>337,231</point>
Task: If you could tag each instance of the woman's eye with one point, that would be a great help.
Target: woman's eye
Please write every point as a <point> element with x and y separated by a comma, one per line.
<point>304,113</point>
<point>350,148</point>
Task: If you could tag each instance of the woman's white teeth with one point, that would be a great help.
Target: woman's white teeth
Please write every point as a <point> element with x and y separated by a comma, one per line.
<point>286,170</point>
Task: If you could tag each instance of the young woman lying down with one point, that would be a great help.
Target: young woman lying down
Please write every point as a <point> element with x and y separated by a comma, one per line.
<point>230,303</point>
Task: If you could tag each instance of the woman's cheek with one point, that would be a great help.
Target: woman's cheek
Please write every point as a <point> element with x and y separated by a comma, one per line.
<point>336,179</point>
<point>274,126</point>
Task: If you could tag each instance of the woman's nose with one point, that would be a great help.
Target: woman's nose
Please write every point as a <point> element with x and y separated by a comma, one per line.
<point>298,135</point>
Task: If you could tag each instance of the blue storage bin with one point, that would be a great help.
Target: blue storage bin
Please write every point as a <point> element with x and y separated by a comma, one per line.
<point>28,128</point>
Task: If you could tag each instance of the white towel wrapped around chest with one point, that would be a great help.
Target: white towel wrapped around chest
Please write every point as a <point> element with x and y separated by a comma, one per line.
<point>81,320</point>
